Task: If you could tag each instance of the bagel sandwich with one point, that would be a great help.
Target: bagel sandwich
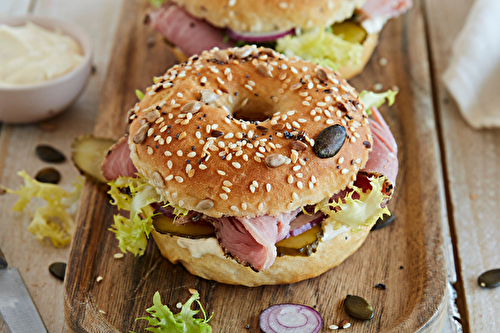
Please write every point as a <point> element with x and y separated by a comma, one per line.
<point>251,168</point>
<point>340,34</point>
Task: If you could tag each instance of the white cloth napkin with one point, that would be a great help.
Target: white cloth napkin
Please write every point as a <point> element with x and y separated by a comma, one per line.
<point>473,75</point>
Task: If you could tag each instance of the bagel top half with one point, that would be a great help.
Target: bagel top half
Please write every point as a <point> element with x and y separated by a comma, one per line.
<point>237,133</point>
<point>263,16</point>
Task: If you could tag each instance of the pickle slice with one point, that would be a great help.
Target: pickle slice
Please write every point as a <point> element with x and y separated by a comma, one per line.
<point>350,31</point>
<point>301,245</point>
<point>165,225</point>
<point>87,154</point>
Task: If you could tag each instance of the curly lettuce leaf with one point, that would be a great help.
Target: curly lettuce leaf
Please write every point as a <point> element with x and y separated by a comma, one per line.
<point>357,213</point>
<point>133,194</point>
<point>322,47</point>
<point>157,3</point>
<point>369,98</point>
<point>50,221</point>
<point>164,321</point>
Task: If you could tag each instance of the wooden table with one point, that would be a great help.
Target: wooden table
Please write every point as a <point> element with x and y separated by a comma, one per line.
<point>470,161</point>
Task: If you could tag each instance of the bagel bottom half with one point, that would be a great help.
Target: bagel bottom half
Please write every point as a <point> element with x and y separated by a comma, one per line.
<point>286,269</point>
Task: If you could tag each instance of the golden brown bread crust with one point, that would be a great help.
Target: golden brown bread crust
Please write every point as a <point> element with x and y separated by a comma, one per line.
<point>369,45</point>
<point>270,15</point>
<point>201,158</point>
<point>347,72</point>
<point>286,269</point>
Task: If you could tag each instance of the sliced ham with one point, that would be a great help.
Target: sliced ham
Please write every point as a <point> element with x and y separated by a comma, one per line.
<point>188,33</point>
<point>118,163</point>
<point>383,159</point>
<point>251,241</point>
<point>385,9</point>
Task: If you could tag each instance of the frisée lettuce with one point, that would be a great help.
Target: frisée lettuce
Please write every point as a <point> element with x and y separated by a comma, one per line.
<point>369,98</point>
<point>323,47</point>
<point>163,320</point>
<point>52,220</point>
<point>356,213</point>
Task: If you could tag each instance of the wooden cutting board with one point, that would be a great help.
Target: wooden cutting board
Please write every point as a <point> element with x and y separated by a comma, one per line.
<point>407,256</point>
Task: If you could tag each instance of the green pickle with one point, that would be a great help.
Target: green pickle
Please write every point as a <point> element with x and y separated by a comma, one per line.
<point>165,225</point>
<point>301,245</point>
<point>350,31</point>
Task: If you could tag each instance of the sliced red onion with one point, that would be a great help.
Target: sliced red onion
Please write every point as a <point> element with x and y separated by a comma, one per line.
<point>258,37</point>
<point>290,318</point>
<point>304,222</point>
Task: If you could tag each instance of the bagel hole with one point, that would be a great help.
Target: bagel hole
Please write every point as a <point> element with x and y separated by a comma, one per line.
<point>254,110</point>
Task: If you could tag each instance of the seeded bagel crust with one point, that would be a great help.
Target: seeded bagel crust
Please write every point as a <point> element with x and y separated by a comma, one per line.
<point>262,16</point>
<point>286,269</point>
<point>187,136</point>
<point>347,72</point>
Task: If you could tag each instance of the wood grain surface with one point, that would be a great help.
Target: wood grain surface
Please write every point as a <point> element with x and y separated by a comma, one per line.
<point>472,160</point>
<point>407,256</point>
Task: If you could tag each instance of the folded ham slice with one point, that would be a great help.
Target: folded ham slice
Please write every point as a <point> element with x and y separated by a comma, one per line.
<point>383,159</point>
<point>189,34</point>
<point>118,163</point>
<point>385,9</point>
<point>252,240</point>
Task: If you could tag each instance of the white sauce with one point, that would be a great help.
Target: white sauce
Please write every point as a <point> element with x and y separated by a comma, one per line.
<point>329,233</point>
<point>201,246</point>
<point>374,25</point>
<point>31,54</point>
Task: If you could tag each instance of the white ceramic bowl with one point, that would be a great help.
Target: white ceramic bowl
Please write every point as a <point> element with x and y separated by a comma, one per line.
<point>35,102</point>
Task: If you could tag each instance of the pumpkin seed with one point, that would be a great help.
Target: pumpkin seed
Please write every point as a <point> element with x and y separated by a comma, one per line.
<point>48,175</point>
<point>358,307</point>
<point>58,269</point>
<point>489,279</point>
<point>49,154</point>
<point>329,141</point>
<point>383,221</point>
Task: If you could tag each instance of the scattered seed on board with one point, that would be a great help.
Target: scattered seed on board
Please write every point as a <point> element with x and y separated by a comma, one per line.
<point>58,270</point>
<point>489,279</point>
<point>48,175</point>
<point>358,307</point>
<point>49,154</point>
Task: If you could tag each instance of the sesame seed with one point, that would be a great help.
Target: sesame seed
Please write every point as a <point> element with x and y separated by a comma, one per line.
<point>220,81</point>
<point>296,124</point>
<point>306,103</point>
<point>250,82</point>
<point>248,87</point>
<point>299,185</point>
<point>290,179</point>
<point>179,153</point>
<point>220,172</point>
<point>202,166</point>
<point>329,121</point>
<point>310,85</point>
<point>296,168</point>
<point>236,164</point>
<point>150,150</point>
<point>182,135</point>
<point>169,177</point>
<point>99,279</point>
<point>268,187</point>
<point>295,71</point>
<point>353,139</point>
<point>235,209</point>
<point>317,118</point>
<point>283,5</point>
<point>244,206</point>
<point>252,188</point>
<point>226,189</point>
<point>179,179</point>
<point>344,171</point>
<point>295,196</point>
<point>261,206</point>
<point>223,196</point>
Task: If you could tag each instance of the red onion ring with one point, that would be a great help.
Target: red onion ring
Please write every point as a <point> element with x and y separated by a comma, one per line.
<point>258,37</point>
<point>290,318</point>
<point>303,223</point>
